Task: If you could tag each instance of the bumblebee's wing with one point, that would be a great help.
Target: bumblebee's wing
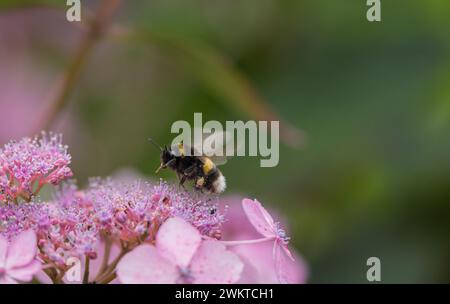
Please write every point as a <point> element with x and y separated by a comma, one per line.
<point>175,149</point>
<point>219,160</point>
<point>215,146</point>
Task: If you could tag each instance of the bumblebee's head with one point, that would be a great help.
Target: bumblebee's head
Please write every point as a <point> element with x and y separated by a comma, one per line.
<point>167,158</point>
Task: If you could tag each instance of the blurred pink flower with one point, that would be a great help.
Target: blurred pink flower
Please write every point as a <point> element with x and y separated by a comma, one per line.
<point>263,260</point>
<point>180,256</point>
<point>23,92</point>
<point>18,258</point>
<point>27,80</point>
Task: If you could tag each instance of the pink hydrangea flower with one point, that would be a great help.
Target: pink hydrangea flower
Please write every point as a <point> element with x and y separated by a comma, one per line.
<point>265,225</point>
<point>135,209</point>
<point>26,166</point>
<point>180,256</point>
<point>14,219</point>
<point>18,258</point>
<point>260,267</point>
<point>72,224</point>
<point>258,257</point>
<point>263,222</point>
<point>152,233</point>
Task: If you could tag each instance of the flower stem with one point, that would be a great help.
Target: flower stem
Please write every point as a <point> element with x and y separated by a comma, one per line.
<point>111,268</point>
<point>247,242</point>
<point>60,277</point>
<point>109,278</point>
<point>106,255</point>
<point>93,34</point>
<point>86,270</point>
<point>52,274</point>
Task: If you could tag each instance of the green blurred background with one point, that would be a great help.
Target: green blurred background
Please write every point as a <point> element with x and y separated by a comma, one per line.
<point>373,100</point>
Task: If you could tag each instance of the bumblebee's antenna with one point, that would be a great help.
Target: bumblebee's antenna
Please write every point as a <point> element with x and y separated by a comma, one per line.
<point>155,144</point>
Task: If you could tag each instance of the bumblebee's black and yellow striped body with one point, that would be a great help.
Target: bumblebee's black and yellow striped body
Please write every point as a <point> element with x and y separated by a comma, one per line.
<point>200,169</point>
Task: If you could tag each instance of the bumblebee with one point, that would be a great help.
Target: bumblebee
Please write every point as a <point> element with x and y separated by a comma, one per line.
<point>202,170</point>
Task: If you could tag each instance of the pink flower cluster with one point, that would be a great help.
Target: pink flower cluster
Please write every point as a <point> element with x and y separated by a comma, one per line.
<point>26,166</point>
<point>180,254</point>
<point>138,232</point>
<point>75,221</point>
<point>136,210</point>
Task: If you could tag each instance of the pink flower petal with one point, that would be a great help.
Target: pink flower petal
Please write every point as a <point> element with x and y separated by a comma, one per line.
<point>25,273</point>
<point>144,265</point>
<point>7,280</point>
<point>286,268</point>
<point>3,250</point>
<point>259,217</point>
<point>43,278</point>
<point>250,274</point>
<point>22,250</point>
<point>258,259</point>
<point>213,264</point>
<point>260,268</point>
<point>177,241</point>
<point>287,251</point>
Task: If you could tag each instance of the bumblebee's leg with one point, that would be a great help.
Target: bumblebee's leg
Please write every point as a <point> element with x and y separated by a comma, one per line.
<point>190,173</point>
<point>181,180</point>
<point>199,183</point>
<point>197,188</point>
